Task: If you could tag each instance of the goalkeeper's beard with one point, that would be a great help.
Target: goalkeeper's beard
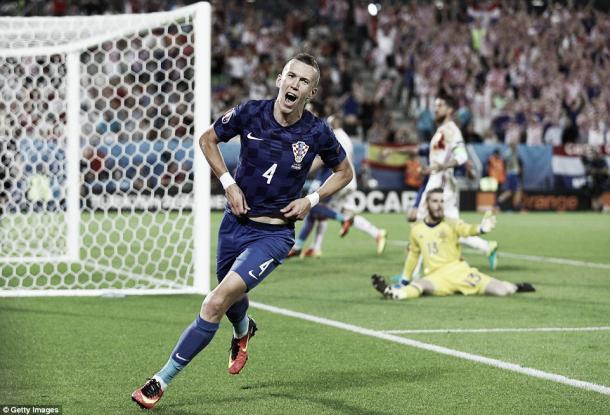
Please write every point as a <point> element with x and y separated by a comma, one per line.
<point>436,217</point>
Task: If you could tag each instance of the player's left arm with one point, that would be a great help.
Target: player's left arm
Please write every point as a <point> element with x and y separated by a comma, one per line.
<point>342,175</point>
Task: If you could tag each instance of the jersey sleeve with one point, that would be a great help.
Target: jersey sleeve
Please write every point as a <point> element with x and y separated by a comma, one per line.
<point>464,229</point>
<point>412,256</point>
<point>331,151</point>
<point>231,123</point>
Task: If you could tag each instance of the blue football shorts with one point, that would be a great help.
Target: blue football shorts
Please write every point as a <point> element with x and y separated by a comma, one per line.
<point>251,249</point>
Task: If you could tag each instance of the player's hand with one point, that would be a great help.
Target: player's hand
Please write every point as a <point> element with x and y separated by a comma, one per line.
<point>237,200</point>
<point>297,209</point>
<point>488,222</point>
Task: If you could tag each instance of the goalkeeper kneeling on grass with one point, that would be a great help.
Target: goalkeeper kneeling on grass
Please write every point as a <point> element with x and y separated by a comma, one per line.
<point>445,272</point>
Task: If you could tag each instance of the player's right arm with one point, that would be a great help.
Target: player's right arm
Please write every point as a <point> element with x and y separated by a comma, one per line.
<point>412,212</point>
<point>412,256</point>
<point>208,142</point>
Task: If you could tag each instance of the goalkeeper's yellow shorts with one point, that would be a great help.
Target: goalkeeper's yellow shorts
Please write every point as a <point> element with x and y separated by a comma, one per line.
<point>458,277</point>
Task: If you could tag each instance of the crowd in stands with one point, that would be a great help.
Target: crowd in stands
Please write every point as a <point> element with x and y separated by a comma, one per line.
<point>522,73</point>
<point>534,75</point>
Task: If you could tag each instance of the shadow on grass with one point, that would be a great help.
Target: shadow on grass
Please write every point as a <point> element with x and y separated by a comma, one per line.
<point>301,393</point>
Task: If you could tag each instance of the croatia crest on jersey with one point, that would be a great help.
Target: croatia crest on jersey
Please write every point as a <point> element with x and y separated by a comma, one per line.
<point>299,149</point>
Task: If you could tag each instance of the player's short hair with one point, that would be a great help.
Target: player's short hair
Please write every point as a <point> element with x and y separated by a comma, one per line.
<point>450,100</point>
<point>435,190</point>
<point>308,59</point>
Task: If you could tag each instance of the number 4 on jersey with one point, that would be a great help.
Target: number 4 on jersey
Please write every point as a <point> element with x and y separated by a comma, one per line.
<point>270,172</point>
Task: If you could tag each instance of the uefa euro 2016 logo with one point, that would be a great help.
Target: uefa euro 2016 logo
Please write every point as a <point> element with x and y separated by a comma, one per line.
<point>299,149</point>
<point>228,115</point>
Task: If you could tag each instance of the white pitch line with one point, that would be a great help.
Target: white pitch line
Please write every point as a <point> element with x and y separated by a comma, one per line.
<point>605,390</point>
<point>506,330</point>
<point>553,260</point>
<point>535,258</point>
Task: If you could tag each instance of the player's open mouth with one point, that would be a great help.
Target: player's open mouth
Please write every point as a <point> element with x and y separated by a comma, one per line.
<point>290,97</point>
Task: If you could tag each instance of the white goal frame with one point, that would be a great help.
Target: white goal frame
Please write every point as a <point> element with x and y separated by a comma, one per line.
<point>201,20</point>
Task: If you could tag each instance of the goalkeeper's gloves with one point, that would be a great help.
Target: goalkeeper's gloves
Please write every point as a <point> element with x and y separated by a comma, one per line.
<point>488,222</point>
<point>399,281</point>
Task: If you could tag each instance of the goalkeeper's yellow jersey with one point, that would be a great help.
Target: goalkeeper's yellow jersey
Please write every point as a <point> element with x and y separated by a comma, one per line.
<point>437,244</point>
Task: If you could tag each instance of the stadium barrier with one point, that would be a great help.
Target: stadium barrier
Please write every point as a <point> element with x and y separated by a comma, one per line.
<point>153,173</point>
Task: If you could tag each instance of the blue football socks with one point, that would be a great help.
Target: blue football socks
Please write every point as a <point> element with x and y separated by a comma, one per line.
<point>238,316</point>
<point>240,329</point>
<point>193,340</point>
<point>168,372</point>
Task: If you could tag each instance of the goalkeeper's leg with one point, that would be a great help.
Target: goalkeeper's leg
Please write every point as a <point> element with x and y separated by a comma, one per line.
<point>476,242</point>
<point>500,288</point>
<point>489,248</point>
<point>413,290</point>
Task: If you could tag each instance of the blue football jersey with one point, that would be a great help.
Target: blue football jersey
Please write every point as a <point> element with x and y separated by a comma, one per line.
<point>274,160</point>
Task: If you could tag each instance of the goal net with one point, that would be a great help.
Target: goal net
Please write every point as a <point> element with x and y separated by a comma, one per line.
<point>102,186</point>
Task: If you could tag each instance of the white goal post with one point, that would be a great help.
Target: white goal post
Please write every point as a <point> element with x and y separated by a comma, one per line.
<point>103,188</point>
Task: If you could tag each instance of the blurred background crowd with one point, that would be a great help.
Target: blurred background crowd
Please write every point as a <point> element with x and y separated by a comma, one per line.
<point>527,72</point>
<point>535,72</point>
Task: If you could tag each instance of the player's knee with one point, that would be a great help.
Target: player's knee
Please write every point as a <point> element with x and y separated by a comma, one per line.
<point>213,307</point>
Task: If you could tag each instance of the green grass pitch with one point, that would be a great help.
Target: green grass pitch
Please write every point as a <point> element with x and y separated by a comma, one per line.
<point>88,354</point>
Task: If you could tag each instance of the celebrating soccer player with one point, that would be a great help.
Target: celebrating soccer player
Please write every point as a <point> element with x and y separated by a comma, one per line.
<point>279,141</point>
<point>445,272</point>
